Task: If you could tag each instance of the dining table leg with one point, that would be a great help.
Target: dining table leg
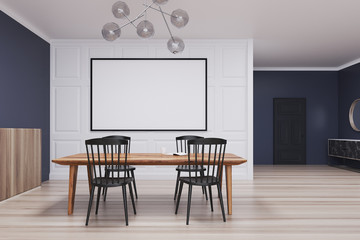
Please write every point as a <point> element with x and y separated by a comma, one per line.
<point>72,188</point>
<point>228,169</point>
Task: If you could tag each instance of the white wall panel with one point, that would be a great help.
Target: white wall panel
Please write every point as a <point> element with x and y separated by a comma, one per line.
<point>234,62</point>
<point>237,147</point>
<point>211,110</point>
<point>101,52</point>
<point>229,96</point>
<point>135,52</point>
<point>233,108</point>
<point>168,145</point>
<point>67,62</point>
<point>67,109</point>
<point>66,147</point>
<point>85,110</point>
<point>139,146</point>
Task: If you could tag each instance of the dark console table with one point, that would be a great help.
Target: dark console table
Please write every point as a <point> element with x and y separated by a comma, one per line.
<point>344,153</point>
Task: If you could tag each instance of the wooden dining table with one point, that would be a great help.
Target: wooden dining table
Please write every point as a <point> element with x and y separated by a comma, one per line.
<point>73,161</point>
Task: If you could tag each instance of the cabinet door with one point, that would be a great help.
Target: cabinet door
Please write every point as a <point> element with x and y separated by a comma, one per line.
<point>4,148</point>
<point>20,161</point>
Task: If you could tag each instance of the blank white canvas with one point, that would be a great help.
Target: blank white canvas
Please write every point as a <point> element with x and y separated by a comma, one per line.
<point>148,94</point>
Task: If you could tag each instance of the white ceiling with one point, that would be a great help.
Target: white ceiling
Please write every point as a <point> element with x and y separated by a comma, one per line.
<point>286,33</point>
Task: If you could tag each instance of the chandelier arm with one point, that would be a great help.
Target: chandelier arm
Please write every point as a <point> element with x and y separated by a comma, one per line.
<point>167,25</point>
<point>159,10</point>
<point>145,10</point>
<point>130,22</point>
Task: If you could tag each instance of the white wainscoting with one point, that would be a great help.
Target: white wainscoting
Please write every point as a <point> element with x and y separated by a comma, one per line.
<point>230,99</point>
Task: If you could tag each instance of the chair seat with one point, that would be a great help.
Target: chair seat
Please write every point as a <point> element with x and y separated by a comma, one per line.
<point>111,182</point>
<point>122,168</point>
<point>192,168</point>
<point>200,181</point>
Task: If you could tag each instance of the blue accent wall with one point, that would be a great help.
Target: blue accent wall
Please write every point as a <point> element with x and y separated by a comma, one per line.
<point>321,92</point>
<point>349,90</point>
<point>25,83</point>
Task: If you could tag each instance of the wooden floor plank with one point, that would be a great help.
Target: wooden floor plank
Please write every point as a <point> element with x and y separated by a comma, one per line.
<point>282,202</point>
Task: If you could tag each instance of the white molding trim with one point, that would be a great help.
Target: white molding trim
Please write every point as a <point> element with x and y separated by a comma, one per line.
<point>137,41</point>
<point>296,69</point>
<point>24,22</point>
<point>349,64</point>
<point>335,69</point>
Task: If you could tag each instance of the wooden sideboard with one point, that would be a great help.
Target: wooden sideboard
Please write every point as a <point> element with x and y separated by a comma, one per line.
<point>20,160</point>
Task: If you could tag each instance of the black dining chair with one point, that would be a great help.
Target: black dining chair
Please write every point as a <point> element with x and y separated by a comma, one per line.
<point>110,153</point>
<point>208,153</point>
<point>181,146</point>
<point>129,169</point>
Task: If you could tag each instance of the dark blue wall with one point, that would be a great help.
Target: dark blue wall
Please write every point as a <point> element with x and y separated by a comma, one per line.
<point>321,92</point>
<point>25,82</point>
<point>349,90</point>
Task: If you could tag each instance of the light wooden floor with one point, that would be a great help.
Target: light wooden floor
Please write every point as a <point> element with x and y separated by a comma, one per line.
<point>283,202</point>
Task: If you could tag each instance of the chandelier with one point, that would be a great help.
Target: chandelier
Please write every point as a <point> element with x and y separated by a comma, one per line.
<point>145,29</point>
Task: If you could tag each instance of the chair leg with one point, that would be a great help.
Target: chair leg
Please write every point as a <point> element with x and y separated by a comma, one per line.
<point>177,184</point>
<point>97,200</point>
<point>188,205</point>
<point>90,204</point>
<point>179,196</point>
<point>105,190</point>
<point>132,197</point>
<point>205,192</point>
<point>125,204</point>
<point>221,202</point>
<point>106,175</point>
<point>133,176</point>
<point>211,199</point>
<point>204,187</point>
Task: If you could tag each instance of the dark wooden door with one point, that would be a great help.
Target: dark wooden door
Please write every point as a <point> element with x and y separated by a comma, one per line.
<point>289,131</point>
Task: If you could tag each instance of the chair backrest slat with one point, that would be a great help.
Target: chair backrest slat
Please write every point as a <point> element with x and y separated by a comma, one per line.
<point>109,153</point>
<point>214,159</point>
<point>121,137</point>
<point>181,143</point>
<point>210,155</point>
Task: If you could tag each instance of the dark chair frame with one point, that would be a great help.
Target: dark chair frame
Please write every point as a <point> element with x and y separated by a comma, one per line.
<point>129,169</point>
<point>114,152</point>
<point>209,153</point>
<point>181,144</point>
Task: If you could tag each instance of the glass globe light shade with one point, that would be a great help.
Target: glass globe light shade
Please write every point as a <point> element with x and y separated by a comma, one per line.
<point>175,45</point>
<point>179,18</point>
<point>111,31</point>
<point>120,9</point>
<point>145,29</point>
<point>160,2</point>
